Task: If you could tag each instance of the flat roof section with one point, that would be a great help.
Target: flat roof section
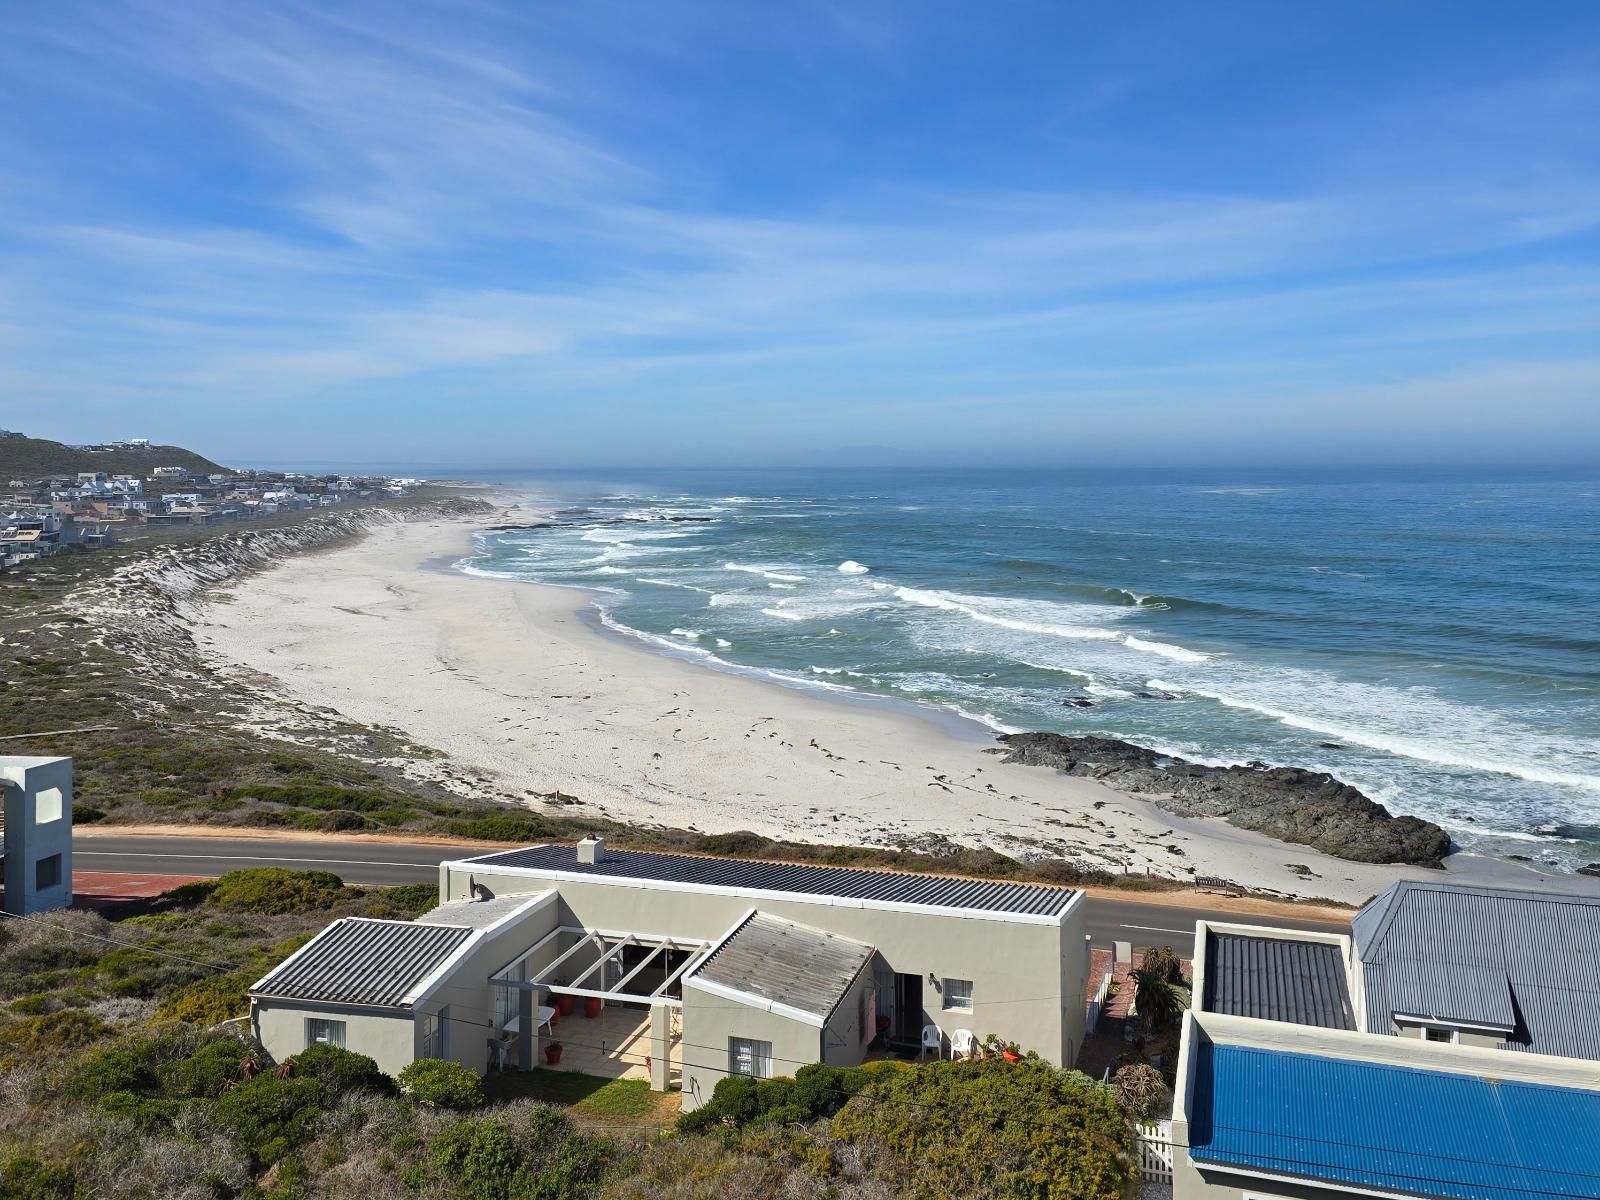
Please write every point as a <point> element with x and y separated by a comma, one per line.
<point>1345,1123</point>
<point>742,875</point>
<point>787,963</point>
<point>1277,979</point>
<point>357,960</point>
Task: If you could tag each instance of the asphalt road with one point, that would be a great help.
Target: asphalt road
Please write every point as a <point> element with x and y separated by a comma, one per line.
<point>377,863</point>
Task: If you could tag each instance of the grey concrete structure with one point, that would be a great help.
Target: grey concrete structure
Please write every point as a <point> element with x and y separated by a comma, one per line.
<point>37,834</point>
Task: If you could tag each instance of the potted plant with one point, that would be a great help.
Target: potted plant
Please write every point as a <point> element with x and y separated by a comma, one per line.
<point>1011,1052</point>
<point>591,1006</point>
<point>552,1053</point>
<point>565,1002</point>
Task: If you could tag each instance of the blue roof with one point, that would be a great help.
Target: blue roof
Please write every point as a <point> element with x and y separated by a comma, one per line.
<point>1391,1128</point>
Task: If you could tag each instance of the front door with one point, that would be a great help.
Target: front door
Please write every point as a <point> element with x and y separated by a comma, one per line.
<point>908,1009</point>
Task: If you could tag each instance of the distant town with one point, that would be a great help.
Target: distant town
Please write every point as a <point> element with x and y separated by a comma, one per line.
<point>89,509</point>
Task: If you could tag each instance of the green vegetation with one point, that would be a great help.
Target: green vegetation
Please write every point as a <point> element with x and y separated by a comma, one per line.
<point>276,890</point>
<point>27,458</point>
<point>815,1092</point>
<point>1141,1091</point>
<point>437,1083</point>
<point>992,1128</point>
<point>589,1097</point>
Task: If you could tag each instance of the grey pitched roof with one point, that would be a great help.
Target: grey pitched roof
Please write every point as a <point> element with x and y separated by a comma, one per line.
<point>746,875</point>
<point>357,960</point>
<point>1519,961</point>
<point>786,962</point>
<point>1277,979</point>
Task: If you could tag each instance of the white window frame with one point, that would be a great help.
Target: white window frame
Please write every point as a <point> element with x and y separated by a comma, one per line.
<point>1452,1036</point>
<point>949,1001</point>
<point>333,1032</point>
<point>759,1053</point>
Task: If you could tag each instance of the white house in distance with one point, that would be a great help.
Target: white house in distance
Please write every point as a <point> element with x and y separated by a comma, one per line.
<point>693,967</point>
<point>36,839</point>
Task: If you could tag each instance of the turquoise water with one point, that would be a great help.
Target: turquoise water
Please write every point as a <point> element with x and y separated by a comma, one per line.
<point>1434,641</point>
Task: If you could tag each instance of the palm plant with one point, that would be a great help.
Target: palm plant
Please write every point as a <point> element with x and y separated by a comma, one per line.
<point>1159,1001</point>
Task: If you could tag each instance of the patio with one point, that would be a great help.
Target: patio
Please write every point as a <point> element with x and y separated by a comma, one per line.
<point>614,1045</point>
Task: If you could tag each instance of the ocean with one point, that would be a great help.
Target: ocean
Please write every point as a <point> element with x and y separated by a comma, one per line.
<point>1432,639</point>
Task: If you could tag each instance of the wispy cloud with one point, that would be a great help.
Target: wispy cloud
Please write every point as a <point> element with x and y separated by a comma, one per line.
<point>297,203</point>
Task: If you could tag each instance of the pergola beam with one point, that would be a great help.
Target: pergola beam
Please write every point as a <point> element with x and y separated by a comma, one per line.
<point>592,939</point>
<point>604,958</point>
<point>648,959</point>
<point>689,962</point>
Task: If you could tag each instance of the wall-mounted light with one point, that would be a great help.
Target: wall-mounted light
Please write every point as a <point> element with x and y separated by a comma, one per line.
<point>933,981</point>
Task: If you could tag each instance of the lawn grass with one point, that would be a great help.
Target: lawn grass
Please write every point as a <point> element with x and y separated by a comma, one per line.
<point>590,1098</point>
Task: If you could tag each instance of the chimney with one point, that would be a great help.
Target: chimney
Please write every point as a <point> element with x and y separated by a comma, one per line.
<point>591,849</point>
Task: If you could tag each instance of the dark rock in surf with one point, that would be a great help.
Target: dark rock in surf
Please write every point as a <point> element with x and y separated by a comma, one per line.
<point>1077,702</point>
<point>1310,808</point>
<point>1330,745</point>
<point>1591,869</point>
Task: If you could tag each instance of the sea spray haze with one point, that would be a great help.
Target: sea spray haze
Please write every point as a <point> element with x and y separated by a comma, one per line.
<point>1434,641</point>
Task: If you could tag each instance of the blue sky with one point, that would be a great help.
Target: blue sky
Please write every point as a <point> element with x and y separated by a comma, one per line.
<point>637,233</point>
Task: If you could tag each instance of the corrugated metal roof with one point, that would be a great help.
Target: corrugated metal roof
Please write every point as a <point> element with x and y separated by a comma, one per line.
<point>1395,1129</point>
<point>785,961</point>
<point>357,960</point>
<point>1511,959</point>
<point>1277,979</point>
<point>753,876</point>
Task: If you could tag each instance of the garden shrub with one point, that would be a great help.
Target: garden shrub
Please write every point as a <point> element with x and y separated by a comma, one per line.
<point>1141,1091</point>
<point>341,1070</point>
<point>269,1115</point>
<point>276,890</point>
<point>1025,1130</point>
<point>210,1070</point>
<point>816,1091</point>
<point>441,1083</point>
<point>413,898</point>
<point>1164,963</point>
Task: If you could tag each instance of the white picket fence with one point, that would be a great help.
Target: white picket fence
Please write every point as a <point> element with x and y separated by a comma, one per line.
<point>1098,1003</point>
<point>1155,1150</point>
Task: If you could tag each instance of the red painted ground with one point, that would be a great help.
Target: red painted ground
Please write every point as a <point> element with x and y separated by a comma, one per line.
<point>92,889</point>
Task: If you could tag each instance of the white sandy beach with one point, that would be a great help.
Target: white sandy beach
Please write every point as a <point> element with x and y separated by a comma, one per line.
<point>510,681</point>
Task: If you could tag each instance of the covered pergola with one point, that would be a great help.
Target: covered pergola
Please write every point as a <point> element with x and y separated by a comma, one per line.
<point>609,948</point>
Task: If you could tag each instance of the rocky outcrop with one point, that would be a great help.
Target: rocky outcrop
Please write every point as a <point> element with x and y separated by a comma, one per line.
<point>1310,808</point>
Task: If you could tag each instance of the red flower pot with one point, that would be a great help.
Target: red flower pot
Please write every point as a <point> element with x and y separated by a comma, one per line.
<point>1010,1057</point>
<point>591,1006</point>
<point>565,1005</point>
<point>552,1055</point>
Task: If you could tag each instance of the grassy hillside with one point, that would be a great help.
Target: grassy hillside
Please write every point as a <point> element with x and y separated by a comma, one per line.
<point>29,458</point>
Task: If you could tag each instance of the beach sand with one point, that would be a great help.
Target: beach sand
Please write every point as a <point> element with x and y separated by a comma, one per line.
<point>513,682</point>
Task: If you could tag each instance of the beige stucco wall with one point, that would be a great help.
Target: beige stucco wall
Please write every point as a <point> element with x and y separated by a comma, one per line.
<point>710,1021</point>
<point>843,1044</point>
<point>388,1038</point>
<point>1028,977</point>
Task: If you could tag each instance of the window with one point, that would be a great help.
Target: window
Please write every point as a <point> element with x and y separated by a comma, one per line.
<point>1441,1035</point>
<point>749,1057</point>
<point>47,872</point>
<point>435,1034</point>
<point>47,806</point>
<point>958,994</point>
<point>324,1033</point>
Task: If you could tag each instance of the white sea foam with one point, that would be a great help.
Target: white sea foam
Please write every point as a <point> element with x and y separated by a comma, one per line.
<point>688,587</point>
<point>782,615</point>
<point>1166,650</point>
<point>782,587</point>
<point>724,644</point>
<point>764,572</point>
<point>691,634</point>
<point>609,570</point>
<point>851,567</point>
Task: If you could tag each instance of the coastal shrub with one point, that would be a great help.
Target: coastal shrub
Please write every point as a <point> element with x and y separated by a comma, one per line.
<point>501,827</point>
<point>187,895</point>
<point>209,1070</point>
<point>208,1001</point>
<point>815,1092</point>
<point>276,890</point>
<point>488,1158</point>
<point>479,1157</point>
<point>49,1036</point>
<point>1141,1092</point>
<point>990,1128</point>
<point>269,1115</point>
<point>25,1178</point>
<point>441,1083</point>
<point>413,898</point>
<point>341,1070</point>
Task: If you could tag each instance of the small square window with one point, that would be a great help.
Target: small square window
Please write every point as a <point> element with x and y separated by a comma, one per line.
<point>47,806</point>
<point>958,995</point>
<point>749,1057</point>
<point>1440,1035</point>
<point>47,872</point>
<point>324,1033</point>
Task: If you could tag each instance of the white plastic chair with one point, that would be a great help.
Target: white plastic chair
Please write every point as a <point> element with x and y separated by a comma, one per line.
<point>932,1039</point>
<point>963,1043</point>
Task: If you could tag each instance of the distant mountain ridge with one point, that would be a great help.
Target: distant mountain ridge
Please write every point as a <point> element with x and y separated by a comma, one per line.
<point>27,458</point>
